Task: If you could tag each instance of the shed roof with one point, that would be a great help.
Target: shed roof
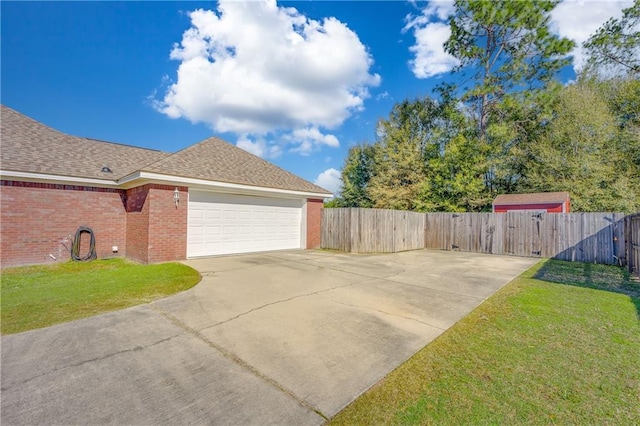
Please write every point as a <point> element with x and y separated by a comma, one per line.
<point>30,146</point>
<point>531,198</point>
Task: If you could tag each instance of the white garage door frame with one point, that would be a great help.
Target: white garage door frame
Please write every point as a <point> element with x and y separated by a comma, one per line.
<point>223,223</point>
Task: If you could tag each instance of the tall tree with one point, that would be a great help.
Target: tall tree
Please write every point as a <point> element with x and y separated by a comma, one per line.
<point>506,47</point>
<point>623,98</point>
<point>428,158</point>
<point>508,56</point>
<point>580,153</point>
<point>614,49</point>
<point>356,174</point>
<point>455,179</point>
<point>516,126</point>
<point>400,155</point>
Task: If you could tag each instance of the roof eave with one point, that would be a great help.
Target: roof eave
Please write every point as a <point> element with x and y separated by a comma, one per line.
<point>522,203</point>
<point>141,178</point>
<point>56,179</point>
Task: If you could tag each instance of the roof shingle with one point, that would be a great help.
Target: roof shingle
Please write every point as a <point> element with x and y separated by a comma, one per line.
<point>532,198</point>
<point>29,146</point>
<point>217,160</point>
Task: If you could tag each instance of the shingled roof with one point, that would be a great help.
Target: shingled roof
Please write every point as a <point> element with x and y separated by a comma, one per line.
<point>217,160</point>
<point>532,198</point>
<point>29,146</point>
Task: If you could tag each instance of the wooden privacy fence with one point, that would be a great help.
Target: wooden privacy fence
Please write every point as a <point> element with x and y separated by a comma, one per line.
<point>632,227</point>
<point>584,237</point>
<point>580,237</point>
<point>372,230</point>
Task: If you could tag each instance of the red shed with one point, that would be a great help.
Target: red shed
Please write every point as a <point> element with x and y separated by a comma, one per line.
<point>551,202</point>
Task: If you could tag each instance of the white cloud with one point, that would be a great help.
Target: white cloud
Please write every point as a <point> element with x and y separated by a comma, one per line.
<point>443,9</point>
<point>304,141</point>
<point>330,179</point>
<point>430,58</point>
<point>307,139</point>
<point>574,19</point>
<point>254,68</point>
<point>579,19</point>
<point>259,147</point>
<point>383,95</point>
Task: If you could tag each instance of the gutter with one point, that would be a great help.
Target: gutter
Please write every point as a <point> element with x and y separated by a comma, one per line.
<point>142,178</point>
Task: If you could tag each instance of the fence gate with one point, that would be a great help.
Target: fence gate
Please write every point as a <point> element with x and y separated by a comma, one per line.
<point>457,230</point>
<point>607,238</point>
<point>536,239</point>
<point>632,229</point>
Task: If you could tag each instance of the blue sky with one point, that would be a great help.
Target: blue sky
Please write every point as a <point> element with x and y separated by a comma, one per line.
<point>295,82</point>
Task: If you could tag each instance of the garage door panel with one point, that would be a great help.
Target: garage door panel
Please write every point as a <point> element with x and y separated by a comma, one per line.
<point>197,214</point>
<point>212,214</point>
<point>225,224</point>
<point>211,231</point>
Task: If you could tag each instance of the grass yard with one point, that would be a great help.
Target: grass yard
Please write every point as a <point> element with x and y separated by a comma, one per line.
<point>39,296</point>
<point>558,345</point>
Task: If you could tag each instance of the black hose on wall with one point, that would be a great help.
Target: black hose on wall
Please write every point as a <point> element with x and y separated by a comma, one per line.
<point>75,249</point>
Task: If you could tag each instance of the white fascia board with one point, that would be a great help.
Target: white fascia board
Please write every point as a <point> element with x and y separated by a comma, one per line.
<point>141,178</point>
<point>56,179</point>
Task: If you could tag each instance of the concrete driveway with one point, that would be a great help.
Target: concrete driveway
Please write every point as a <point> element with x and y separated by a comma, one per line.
<point>276,338</point>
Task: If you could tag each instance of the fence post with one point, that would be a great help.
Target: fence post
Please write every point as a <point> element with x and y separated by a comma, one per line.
<point>628,242</point>
<point>632,240</point>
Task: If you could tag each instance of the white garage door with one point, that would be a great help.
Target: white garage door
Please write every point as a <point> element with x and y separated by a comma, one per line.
<point>225,224</point>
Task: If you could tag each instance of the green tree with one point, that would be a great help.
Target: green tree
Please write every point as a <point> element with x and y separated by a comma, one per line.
<point>356,174</point>
<point>332,203</point>
<point>428,158</point>
<point>614,49</point>
<point>623,98</point>
<point>400,155</point>
<point>455,179</point>
<point>580,152</point>
<point>508,58</point>
<point>507,48</point>
<point>517,126</point>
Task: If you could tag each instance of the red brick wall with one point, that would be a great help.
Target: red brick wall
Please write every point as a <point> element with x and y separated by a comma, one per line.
<point>36,219</point>
<point>314,223</point>
<point>138,223</point>
<point>156,227</point>
<point>167,224</point>
<point>39,219</point>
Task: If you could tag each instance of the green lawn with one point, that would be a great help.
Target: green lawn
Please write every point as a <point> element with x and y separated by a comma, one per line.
<point>558,345</point>
<point>39,296</point>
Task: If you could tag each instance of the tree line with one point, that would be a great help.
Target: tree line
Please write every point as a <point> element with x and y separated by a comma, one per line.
<point>511,126</point>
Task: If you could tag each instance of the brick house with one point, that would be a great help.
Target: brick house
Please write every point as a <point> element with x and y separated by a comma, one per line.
<point>211,198</point>
<point>550,202</point>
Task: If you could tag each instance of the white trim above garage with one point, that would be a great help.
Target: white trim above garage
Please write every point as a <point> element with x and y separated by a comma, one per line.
<point>220,223</point>
<point>141,178</point>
